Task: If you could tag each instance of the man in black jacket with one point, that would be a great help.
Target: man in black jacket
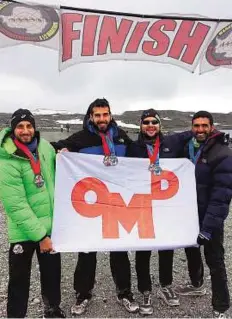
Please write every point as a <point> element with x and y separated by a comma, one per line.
<point>150,138</point>
<point>209,151</point>
<point>100,136</point>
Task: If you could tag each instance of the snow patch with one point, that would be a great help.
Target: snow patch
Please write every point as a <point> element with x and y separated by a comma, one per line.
<point>78,121</point>
<point>166,119</point>
<point>73,121</point>
<point>122,124</point>
<point>49,112</point>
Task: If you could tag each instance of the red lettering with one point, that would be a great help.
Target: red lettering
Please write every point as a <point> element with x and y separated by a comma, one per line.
<point>68,34</point>
<point>138,211</point>
<point>161,39</point>
<point>114,210</point>
<point>188,41</point>
<point>136,37</point>
<point>89,35</point>
<point>113,35</point>
<point>173,185</point>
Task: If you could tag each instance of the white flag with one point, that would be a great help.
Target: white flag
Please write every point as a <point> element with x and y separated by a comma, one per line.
<point>123,207</point>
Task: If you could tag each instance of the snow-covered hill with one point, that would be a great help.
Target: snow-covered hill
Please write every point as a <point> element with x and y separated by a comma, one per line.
<point>78,121</point>
<point>49,112</point>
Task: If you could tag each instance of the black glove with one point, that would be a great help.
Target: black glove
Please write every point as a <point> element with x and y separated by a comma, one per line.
<point>203,238</point>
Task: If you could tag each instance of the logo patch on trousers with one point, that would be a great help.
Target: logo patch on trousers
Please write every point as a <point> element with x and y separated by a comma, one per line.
<point>18,249</point>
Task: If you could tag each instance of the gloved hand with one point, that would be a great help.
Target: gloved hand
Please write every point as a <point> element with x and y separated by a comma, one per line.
<point>203,238</point>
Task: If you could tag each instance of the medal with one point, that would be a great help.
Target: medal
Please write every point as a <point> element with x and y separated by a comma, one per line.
<point>110,160</point>
<point>35,165</point>
<point>153,154</point>
<point>39,181</point>
<point>156,169</point>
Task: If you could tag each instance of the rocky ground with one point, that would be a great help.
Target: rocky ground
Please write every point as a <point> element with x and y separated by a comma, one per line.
<point>104,301</point>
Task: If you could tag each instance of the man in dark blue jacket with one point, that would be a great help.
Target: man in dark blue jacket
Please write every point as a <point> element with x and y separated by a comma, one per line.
<point>208,150</point>
<point>100,136</point>
<point>150,139</point>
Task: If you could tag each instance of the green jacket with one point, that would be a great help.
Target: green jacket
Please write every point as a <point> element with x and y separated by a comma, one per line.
<point>29,209</point>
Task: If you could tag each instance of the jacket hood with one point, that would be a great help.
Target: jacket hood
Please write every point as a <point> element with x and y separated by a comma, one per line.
<point>7,147</point>
<point>217,135</point>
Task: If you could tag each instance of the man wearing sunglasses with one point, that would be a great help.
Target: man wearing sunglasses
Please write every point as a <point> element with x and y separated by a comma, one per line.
<point>150,144</point>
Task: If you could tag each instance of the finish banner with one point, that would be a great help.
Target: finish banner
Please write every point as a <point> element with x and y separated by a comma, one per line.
<point>89,37</point>
<point>85,35</point>
<point>123,207</point>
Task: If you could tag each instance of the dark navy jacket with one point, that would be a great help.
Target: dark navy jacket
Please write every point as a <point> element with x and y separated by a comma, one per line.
<point>171,146</point>
<point>88,140</point>
<point>214,182</point>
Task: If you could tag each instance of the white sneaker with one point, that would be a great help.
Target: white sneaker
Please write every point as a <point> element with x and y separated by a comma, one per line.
<point>168,295</point>
<point>128,303</point>
<point>146,307</point>
<point>80,306</point>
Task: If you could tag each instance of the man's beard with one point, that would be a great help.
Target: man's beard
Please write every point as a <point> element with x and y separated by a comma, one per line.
<point>101,129</point>
<point>149,139</point>
<point>29,139</point>
<point>203,139</point>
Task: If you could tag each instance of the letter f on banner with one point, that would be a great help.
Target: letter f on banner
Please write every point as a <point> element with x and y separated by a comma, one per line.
<point>69,34</point>
<point>114,210</point>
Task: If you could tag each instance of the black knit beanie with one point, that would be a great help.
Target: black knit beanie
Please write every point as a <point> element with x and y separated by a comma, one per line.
<point>150,113</point>
<point>22,115</point>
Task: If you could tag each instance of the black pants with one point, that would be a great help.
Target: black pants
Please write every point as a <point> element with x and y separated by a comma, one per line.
<point>121,271</point>
<point>195,266</point>
<point>20,258</point>
<point>84,276</point>
<point>214,257</point>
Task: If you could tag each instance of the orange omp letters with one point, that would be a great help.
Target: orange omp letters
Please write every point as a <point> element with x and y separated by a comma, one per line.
<point>113,209</point>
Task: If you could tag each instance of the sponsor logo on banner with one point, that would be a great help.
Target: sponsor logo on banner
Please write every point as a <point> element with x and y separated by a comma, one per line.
<point>28,23</point>
<point>219,52</point>
<point>114,210</point>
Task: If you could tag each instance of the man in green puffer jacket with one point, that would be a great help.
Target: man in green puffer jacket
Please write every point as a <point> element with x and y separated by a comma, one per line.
<point>27,174</point>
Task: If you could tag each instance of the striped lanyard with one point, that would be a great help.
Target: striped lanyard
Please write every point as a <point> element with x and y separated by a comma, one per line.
<point>107,144</point>
<point>35,165</point>
<point>153,152</point>
<point>194,158</point>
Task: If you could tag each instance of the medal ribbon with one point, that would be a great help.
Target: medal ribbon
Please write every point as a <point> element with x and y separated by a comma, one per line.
<point>194,158</point>
<point>153,152</point>
<point>35,165</point>
<point>107,144</point>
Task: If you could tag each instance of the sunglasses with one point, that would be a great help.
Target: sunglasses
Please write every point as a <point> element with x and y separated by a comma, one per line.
<point>153,122</point>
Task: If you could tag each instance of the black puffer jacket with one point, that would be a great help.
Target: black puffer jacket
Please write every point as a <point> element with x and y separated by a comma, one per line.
<point>214,182</point>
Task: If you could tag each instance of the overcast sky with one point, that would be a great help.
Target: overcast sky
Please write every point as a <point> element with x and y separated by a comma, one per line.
<point>127,85</point>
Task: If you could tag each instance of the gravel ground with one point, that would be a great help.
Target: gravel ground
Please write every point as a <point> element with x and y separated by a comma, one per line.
<point>104,300</point>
